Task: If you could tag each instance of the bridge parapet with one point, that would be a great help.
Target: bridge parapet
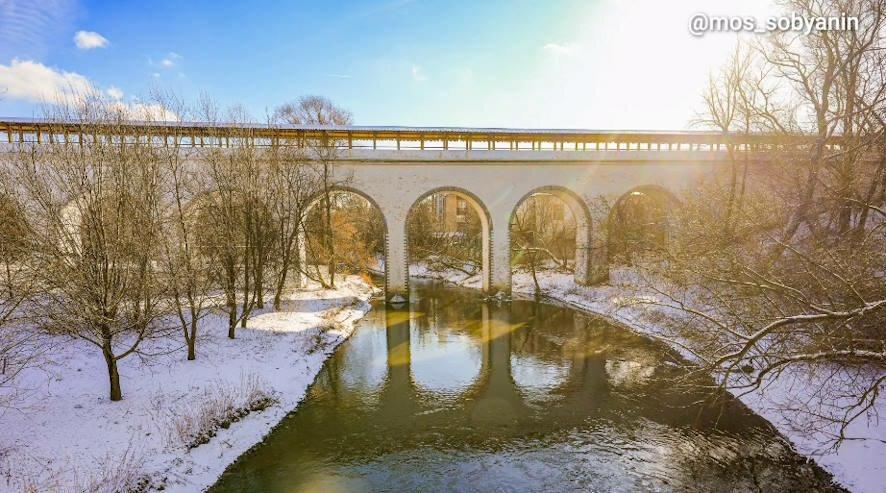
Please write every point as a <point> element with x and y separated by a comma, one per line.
<point>364,142</point>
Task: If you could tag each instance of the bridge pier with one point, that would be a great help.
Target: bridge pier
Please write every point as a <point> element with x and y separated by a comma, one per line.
<point>501,255</point>
<point>597,258</point>
<point>583,233</point>
<point>396,260</point>
<point>591,259</point>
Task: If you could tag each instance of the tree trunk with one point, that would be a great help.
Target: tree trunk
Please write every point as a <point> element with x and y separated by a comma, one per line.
<point>232,317</point>
<point>246,287</point>
<point>330,242</point>
<point>260,278</point>
<point>281,283</point>
<point>113,374</point>
<point>192,341</point>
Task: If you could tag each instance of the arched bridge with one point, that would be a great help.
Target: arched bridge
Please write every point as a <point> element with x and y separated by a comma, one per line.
<point>493,170</point>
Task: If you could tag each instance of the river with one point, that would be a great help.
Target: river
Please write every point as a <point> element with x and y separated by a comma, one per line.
<point>451,393</point>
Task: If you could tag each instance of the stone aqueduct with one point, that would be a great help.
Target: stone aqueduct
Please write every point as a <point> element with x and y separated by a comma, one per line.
<point>494,170</point>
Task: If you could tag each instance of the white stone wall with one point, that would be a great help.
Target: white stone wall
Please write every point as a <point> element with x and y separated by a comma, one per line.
<point>496,187</point>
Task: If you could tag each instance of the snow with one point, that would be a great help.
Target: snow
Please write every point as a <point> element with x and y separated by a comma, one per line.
<point>859,465</point>
<point>65,434</point>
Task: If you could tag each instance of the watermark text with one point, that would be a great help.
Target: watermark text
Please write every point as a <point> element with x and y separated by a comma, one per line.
<point>701,24</point>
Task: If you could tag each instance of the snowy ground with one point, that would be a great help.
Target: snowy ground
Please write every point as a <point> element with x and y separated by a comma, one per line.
<point>65,435</point>
<point>859,465</point>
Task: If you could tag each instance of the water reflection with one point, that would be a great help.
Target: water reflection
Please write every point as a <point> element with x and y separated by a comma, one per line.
<point>455,394</point>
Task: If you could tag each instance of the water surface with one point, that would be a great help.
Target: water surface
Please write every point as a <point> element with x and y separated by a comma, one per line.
<point>454,394</point>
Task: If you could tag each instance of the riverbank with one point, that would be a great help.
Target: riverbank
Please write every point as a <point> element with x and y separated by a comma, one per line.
<point>63,434</point>
<point>859,465</point>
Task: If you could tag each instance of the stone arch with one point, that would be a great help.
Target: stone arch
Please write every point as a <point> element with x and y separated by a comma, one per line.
<point>660,202</point>
<point>301,240</point>
<point>585,268</point>
<point>74,213</point>
<point>485,223</point>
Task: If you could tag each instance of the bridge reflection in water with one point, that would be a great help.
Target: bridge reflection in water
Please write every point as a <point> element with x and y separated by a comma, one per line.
<point>454,394</point>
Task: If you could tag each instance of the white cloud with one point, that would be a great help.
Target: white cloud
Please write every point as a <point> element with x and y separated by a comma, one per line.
<point>170,60</point>
<point>32,81</point>
<point>560,49</point>
<point>88,40</point>
<point>418,74</point>
<point>115,93</point>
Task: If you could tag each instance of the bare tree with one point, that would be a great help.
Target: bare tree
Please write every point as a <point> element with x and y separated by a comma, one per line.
<point>227,212</point>
<point>20,347</point>
<point>447,239</point>
<point>637,225</point>
<point>795,282</point>
<point>261,230</point>
<point>815,87</point>
<point>318,110</point>
<point>542,229</point>
<point>91,202</point>
<point>185,259</point>
<point>358,230</point>
<point>294,182</point>
<point>523,236</point>
<point>312,110</point>
<point>730,99</point>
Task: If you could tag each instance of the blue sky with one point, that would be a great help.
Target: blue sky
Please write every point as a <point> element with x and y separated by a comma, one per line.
<point>544,64</point>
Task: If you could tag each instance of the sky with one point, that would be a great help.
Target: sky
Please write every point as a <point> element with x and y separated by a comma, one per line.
<point>593,64</point>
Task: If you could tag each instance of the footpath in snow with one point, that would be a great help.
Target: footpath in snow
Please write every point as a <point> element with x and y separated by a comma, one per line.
<point>859,465</point>
<point>65,435</point>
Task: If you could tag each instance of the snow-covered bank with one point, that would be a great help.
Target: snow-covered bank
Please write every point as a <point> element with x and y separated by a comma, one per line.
<point>65,435</point>
<point>859,465</point>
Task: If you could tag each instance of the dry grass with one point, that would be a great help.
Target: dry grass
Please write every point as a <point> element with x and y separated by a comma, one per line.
<point>217,408</point>
<point>121,472</point>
